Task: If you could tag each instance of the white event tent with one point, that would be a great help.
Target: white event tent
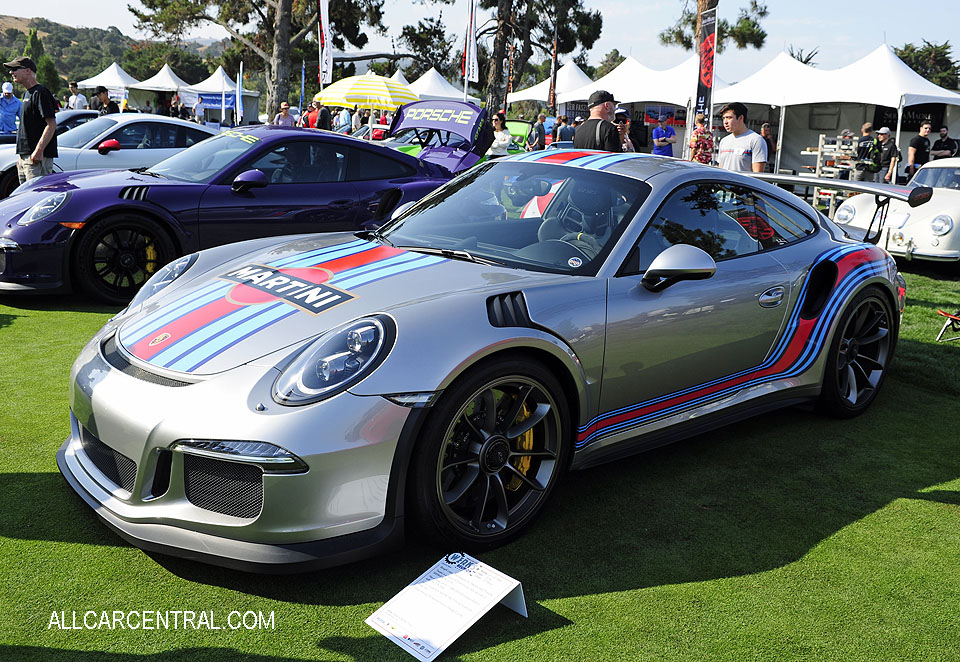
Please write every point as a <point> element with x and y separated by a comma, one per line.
<point>114,78</point>
<point>569,77</point>
<point>164,80</point>
<point>432,85</point>
<point>219,86</point>
<point>400,78</point>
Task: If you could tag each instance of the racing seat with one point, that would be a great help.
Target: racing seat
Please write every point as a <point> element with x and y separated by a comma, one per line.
<point>583,222</point>
<point>952,323</point>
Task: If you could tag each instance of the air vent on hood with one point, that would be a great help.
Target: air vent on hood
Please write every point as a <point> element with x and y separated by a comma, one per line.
<point>508,310</point>
<point>134,192</point>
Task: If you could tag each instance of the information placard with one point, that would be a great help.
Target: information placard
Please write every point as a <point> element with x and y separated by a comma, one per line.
<point>442,603</point>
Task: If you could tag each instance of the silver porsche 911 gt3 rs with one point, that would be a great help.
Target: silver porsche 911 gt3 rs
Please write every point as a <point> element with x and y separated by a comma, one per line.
<point>291,403</point>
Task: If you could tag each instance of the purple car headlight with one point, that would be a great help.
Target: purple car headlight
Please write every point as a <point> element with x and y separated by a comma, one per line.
<point>335,361</point>
<point>44,208</point>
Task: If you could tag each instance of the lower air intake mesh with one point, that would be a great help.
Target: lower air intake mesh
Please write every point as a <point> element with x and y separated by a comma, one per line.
<point>230,488</point>
<point>117,467</point>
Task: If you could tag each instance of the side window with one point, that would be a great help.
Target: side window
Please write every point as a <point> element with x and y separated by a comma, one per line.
<point>371,165</point>
<point>161,136</point>
<point>707,215</point>
<point>192,136</point>
<point>778,224</point>
<point>303,163</point>
<point>133,135</point>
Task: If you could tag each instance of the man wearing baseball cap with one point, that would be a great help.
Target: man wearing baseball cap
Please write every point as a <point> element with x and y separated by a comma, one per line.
<point>10,107</point>
<point>889,156</point>
<point>37,135</point>
<point>599,131</point>
<point>663,137</point>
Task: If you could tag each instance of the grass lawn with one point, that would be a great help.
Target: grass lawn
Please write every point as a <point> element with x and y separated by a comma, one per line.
<point>789,536</point>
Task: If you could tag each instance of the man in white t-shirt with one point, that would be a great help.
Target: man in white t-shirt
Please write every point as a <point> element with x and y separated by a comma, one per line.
<point>77,101</point>
<point>742,150</point>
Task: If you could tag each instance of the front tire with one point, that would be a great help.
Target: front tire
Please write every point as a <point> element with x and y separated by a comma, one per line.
<point>493,449</point>
<point>860,355</point>
<point>9,181</point>
<point>117,255</point>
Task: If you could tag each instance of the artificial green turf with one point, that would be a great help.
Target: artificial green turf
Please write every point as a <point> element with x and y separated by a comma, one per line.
<point>788,536</point>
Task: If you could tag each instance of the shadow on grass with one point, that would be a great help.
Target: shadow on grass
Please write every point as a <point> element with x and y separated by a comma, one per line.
<point>73,303</point>
<point>935,270</point>
<point>65,655</point>
<point>7,320</point>
<point>932,366</point>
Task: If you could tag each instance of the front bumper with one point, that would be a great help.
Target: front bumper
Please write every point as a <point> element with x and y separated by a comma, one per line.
<point>343,508</point>
<point>903,243</point>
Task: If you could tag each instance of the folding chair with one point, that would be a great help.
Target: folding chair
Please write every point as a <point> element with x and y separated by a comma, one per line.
<point>952,323</point>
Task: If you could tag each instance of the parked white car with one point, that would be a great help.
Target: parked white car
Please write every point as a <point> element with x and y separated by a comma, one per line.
<point>116,141</point>
<point>928,232</point>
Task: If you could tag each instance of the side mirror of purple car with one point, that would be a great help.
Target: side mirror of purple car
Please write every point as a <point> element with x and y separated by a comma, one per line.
<point>679,262</point>
<point>249,179</point>
<point>107,146</point>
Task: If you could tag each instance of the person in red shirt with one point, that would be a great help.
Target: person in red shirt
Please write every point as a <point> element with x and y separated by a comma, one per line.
<point>701,142</point>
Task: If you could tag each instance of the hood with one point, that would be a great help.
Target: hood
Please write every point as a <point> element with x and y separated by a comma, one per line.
<point>91,179</point>
<point>265,300</point>
<point>458,117</point>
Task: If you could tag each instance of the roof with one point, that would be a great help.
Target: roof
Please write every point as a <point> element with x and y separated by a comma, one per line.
<point>432,85</point>
<point>112,78</point>
<point>219,83</point>
<point>569,77</point>
<point>162,81</point>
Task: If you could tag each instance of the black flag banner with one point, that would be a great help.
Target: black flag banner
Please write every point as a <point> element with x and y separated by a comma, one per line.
<point>707,44</point>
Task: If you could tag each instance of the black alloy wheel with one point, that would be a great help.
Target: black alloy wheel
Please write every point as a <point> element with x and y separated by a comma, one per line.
<point>494,449</point>
<point>859,355</point>
<point>116,256</point>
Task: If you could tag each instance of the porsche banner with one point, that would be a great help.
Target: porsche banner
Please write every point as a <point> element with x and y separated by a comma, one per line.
<point>471,69</point>
<point>707,45</point>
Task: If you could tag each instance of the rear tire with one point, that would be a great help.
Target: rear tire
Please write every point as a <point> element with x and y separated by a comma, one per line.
<point>860,355</point>
<point>117,255</point>
<point>9,181</point>
<point>491,453</point>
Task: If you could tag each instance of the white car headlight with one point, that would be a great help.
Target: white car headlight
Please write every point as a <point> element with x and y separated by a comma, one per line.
<point>941,225</point>
<point>845,214</point>
<point>335,361</point>
<point>44,208</point>
<point>162,278</point>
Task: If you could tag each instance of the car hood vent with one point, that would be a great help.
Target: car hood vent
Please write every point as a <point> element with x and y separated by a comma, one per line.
<point>134,192</point>
<point>508,310</point>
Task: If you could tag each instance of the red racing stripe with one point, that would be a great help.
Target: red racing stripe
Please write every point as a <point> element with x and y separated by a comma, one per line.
<point>563,157</point>
<point>183,326</point>
<point>359,259</point>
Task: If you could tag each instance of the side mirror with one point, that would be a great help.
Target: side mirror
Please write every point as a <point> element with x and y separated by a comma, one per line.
<point>401,209</point>
<point>249,179</point>
<point>679,262</point>
<point>107,146</point>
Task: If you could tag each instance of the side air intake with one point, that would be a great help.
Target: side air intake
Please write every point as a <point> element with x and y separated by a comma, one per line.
<point>508,310</point>
<point>134,192</point>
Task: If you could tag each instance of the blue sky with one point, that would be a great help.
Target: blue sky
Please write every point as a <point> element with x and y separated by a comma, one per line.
<point>631,26</point>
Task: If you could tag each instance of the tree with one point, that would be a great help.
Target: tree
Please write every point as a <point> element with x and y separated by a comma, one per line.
<point>47,75</point>
<point>609,62</point>
<point>800,56</point>
<point>744,33</point>
<point>429,41</point>
<point>34,47</point>
<point>933,62</point>
<point>269,30</point>
<point>530,26</point>
<point>144,59</point>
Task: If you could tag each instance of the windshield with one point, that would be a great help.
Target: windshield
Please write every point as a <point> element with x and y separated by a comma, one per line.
<point>937,178</point>
<point>533,216</point>
<point>201,162</point>
<point>80,135</point>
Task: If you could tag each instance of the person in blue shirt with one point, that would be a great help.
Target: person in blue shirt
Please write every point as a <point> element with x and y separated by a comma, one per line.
<point>663,138</point>
<point>10,107</point>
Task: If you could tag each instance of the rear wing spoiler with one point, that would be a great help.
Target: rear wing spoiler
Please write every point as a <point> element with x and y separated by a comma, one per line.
<point>459,118</point>
<point>883,194</point>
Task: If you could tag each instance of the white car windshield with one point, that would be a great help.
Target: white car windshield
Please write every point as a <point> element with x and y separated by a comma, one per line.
<point>201,162</point>
<point>79,136</point>
<point>524,215</point>
<point>937,177</point>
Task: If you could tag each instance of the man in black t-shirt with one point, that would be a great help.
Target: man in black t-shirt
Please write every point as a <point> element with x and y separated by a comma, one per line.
<point>865,169</point>
<point>108,105</point>
<point>889,157</point>
<point>919,150</point>
<point>37,133</point>
<point>945,147</point>
<point>599,131</point>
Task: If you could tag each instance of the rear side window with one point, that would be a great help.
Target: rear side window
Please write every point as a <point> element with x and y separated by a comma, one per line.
<point>192,136</point>
<point>364,164</point>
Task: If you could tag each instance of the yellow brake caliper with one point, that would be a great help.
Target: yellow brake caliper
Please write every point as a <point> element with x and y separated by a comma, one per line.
<point>151,258</point>
<point>524,443</point>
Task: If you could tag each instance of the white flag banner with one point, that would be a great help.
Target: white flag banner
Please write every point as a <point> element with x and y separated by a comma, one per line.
<point>326,48</point>
<point>239,105</point>
<point>471,68</point>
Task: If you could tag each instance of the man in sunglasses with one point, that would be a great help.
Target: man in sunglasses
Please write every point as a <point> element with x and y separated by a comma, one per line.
<point>37,134</point>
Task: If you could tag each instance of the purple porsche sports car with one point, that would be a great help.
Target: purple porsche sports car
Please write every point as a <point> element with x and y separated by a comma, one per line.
<point>108,231</point>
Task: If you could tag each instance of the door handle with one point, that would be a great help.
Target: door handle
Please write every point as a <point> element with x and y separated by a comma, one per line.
<point>341,204</point>
<point>772,297</point>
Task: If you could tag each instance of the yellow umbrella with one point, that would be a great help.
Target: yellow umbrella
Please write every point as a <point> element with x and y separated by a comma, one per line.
<point>367,91</point>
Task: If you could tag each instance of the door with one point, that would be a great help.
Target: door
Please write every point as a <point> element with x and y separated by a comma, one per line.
<point>307,191</point>
<point>142,144</point>
<point>676,348</point>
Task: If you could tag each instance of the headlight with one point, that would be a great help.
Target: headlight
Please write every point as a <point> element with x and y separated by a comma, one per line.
<point>845,214</point>
<point>163,277</point>
<point>44,208</point>
<point>335,361</point>
<point>269,457</point>
<point>941,225</point>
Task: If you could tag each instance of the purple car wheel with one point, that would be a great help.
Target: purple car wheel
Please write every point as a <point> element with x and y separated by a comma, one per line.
<point>859,355</point>
<point>495,447</point>
<point>117,255</point>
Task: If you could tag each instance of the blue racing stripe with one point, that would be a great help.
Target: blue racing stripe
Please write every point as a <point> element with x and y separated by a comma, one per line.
<point>238,340</point>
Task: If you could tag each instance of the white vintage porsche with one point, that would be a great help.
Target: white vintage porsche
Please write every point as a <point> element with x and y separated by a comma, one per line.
<point>929,232</point>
